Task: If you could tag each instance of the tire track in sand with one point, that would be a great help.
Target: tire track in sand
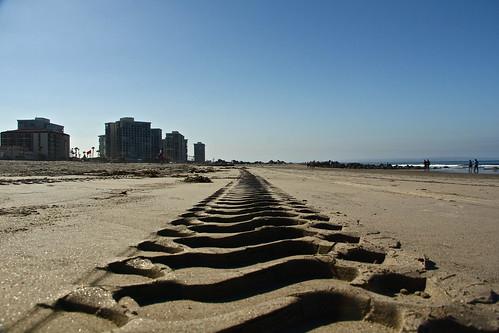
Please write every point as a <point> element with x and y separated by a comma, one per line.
<point>252,258</point>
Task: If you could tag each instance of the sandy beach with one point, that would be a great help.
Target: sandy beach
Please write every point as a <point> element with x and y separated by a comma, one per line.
<point>452,218</point>
<point>249,166</point>
<point>57,222</point>
<point>70,225</point>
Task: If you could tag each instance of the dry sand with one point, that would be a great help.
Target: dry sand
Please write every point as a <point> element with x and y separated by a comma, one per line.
<point>452,218</point>
<point>253,256</point>
<point>54,230</point>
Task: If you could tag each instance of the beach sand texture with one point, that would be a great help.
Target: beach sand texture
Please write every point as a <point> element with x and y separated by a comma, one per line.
<point>452,218</point>
<point>271,249</point>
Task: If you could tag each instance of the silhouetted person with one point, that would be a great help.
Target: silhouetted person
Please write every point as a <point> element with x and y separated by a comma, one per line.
<point>425,163</point>
<point>470,166</point>
<point>476,166</point>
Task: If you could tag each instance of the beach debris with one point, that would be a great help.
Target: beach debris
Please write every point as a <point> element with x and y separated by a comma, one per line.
<point>151,173</point>
<point>197,179</point>
<point>427,263</point>
<point>22,211</point>
<point>395,245</point>
<point>448,276</point>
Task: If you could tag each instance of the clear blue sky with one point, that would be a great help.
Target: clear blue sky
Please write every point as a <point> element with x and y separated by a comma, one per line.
<point>260,80</point>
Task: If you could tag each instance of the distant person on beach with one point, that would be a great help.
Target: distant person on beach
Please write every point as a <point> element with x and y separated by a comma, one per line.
<point>470,166</point>
<point>425,163</point>
<point>475,170</point>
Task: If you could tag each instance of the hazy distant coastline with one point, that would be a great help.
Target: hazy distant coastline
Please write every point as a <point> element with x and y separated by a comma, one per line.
<point>456,166</point>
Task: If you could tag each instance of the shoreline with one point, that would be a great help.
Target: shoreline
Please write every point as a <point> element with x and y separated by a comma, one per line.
<point>388,172</point>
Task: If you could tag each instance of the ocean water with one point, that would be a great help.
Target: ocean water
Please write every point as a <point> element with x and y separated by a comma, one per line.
<point>485,166</point>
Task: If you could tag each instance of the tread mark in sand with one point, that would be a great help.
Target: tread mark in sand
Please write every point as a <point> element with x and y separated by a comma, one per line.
<point>253,258</point>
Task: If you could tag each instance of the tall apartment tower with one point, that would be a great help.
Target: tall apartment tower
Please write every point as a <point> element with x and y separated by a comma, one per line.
<point>35,139</point>
<point>156,143</point>
<point>128,140</point>
<point>185,151</point>
<point>199,152</point>
<point>175,147</point>
<point>102,146</point>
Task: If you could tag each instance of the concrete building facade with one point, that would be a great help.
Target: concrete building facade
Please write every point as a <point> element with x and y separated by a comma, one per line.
<point>128,140</point>
<point>35,139</point>
<point>175,147</point>
<point>199,152</point>
<point>102,146</point>
<point>156,144</point>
